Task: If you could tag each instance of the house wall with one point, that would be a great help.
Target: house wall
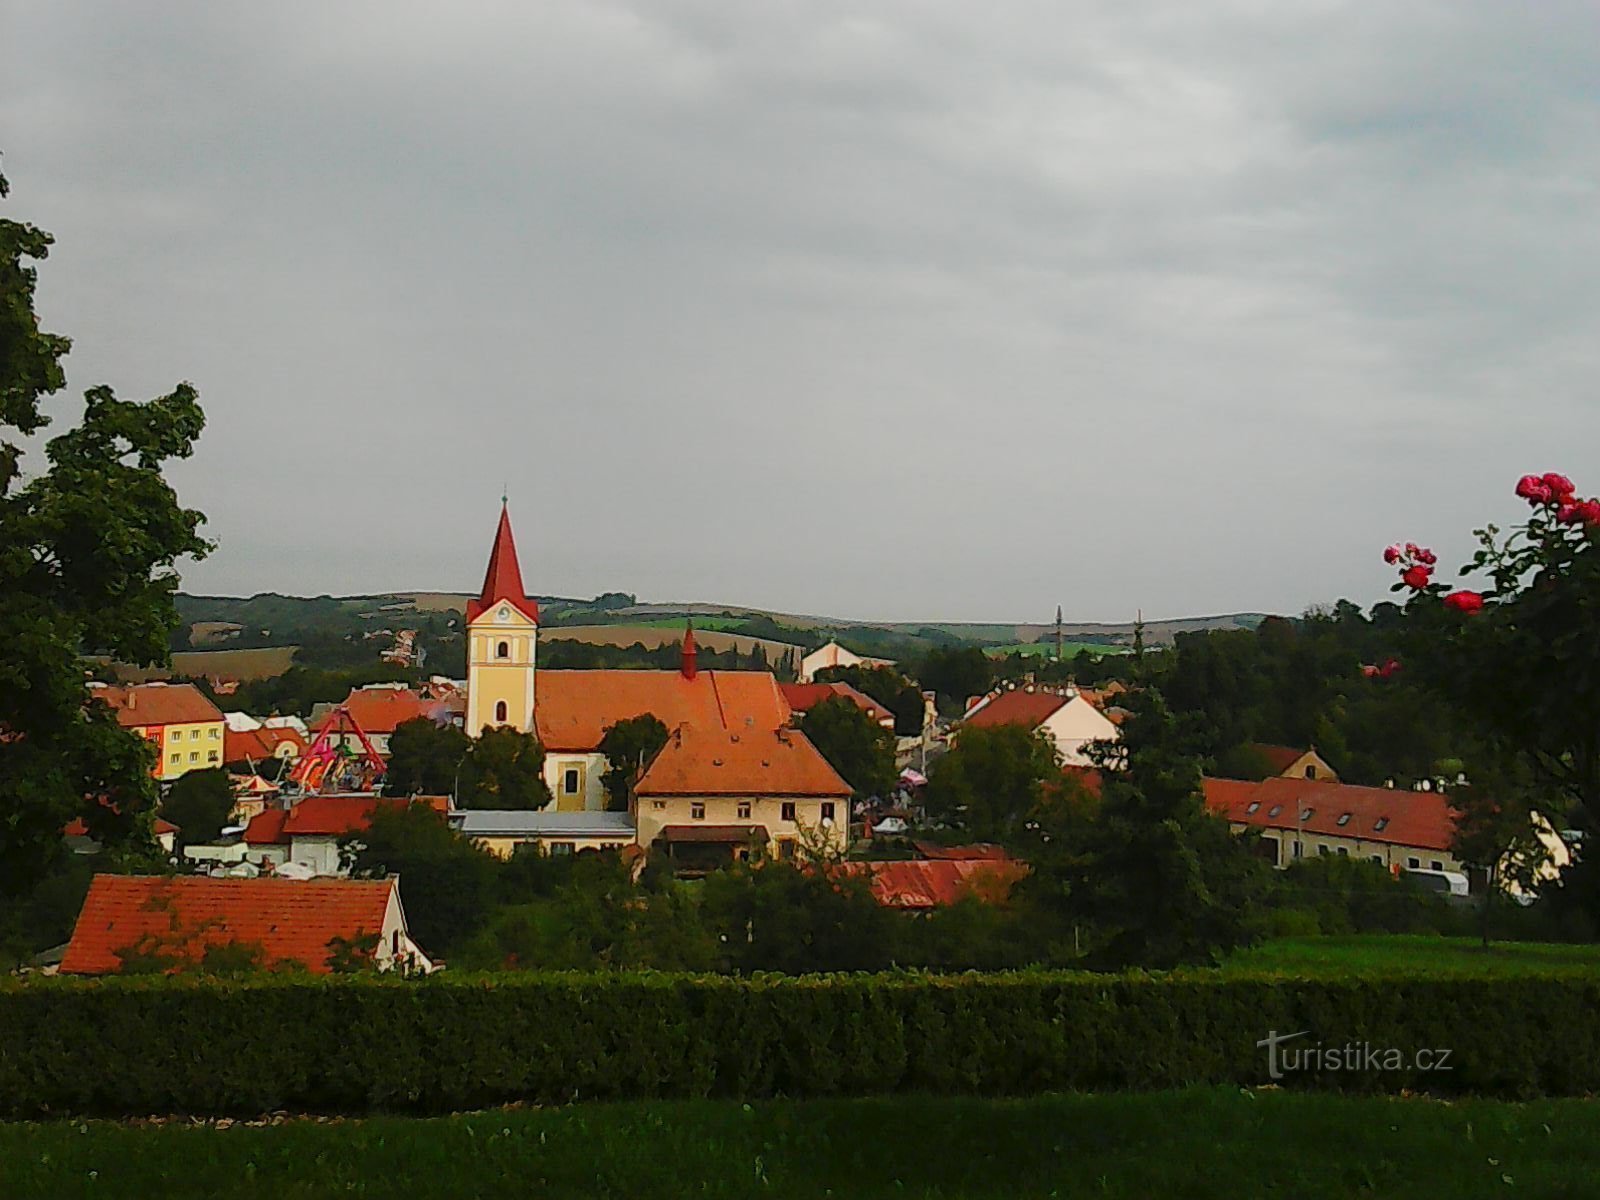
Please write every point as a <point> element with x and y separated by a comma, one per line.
<point>505,845</point>
<point>394,936</point>
<point>195,747</point>
<point>320,853</point>
<point>1386,854</point>
<point>590,795</point>
<point>654,812</point>
<point>1073,726</point>
<point>1311,765</point>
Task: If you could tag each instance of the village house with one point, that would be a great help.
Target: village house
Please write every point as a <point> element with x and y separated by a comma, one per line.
<point>1066,717</point>
<point>1292,762</point>
<point>151,920</point>
<point>309,833</point>
<point>714,795</point>
<point>502,831</point>
<point>184,727</point>
<point>803,697</point>
<point>834,655</point>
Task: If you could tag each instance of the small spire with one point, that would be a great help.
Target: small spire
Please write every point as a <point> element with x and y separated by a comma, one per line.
<point>689,667</point>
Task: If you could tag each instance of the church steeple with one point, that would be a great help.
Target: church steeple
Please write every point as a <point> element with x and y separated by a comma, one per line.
<point>503,580</point>
<point>690,652</point>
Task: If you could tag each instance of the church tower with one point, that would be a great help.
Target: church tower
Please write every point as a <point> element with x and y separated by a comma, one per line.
<point>502,639</point>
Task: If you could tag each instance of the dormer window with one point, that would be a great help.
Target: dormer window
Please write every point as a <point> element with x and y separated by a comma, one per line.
<point>1274,810</point>
<point>1305,813</point>
<point>1251,807</point>
<point>1344,818</point>
<point>1380,824</point>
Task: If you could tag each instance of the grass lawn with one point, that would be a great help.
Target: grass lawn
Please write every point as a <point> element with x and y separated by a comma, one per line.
<point>1416,954</point>
<point>1198,1143</point>
<point>1047,649</point>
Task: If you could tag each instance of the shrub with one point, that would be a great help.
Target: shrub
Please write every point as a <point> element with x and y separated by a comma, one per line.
<point>353,1043</point>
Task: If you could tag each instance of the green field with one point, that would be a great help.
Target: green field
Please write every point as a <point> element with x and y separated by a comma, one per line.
<point>1047,649</point>
<point>1417,955</point>
<point>1196,1143</point>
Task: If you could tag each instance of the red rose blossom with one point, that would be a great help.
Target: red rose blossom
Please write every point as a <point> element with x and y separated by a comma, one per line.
<point>1534,490</point>
<point>1391,555</point>
<point>1559,485</point>
<point>1466,603</point>
<point>1589,511</point>
<point>1416,577</point>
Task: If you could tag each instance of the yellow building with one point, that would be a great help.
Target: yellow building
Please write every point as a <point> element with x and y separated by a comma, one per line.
<point>186,728</point>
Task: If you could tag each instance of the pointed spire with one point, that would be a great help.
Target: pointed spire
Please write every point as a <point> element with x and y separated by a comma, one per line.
<point>503,580</point>
<point>689,667</point>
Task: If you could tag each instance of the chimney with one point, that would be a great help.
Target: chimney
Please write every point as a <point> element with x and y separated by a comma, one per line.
<point>689,669</point>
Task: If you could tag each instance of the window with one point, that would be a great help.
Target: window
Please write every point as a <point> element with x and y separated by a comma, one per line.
<point>1380,824</point>
<point>1274,810</point>
<point>786,813</point>
<point>176,758</point>
<point>213,735</point>
<point>1437,865</point>
<point>786,848</point>
<point>502,650</point>
<point>1305,813</point>
<point>1251,807</point>
<point>1343,852</point>
<point>1344,818</point>
<point>1297,849</point>
<point>1413,863</point>
<point>1311,771</point>
<point>744,810</point>
<point>827,810</point>
<point>194,756</point>
<point>211,756</point>
<point>697,811</point>
<point>569,781</point>
<point>658,805</point>
<point>562,849</point>
<point>1378,858</point>
<point>500,711</point>
<point>1322,850</point>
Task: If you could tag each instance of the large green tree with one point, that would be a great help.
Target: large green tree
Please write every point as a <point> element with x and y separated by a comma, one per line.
<point>992,782</point>
<point>198,803</point>
<point>504,769</point>
<point>854,744</point>
<point>87,552</point>
<point>629,745</point>
<point>424,757</point>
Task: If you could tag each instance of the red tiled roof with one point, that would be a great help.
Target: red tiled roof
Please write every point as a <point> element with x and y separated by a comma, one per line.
<point>753,762</point>
<point>803,697</point>
<point>382,709</point>
<point>1422,819</point>
<point>1017,707</point>
<point>291,920</point>
<point>503,580</point>
<point>720,834</point>
<point>78,827</point>
<point>923,884</point>
<point>335,816</point>
<point>573,709</point>
<point>238,745</point>
<point>266,828</point>
<point>141,705</point>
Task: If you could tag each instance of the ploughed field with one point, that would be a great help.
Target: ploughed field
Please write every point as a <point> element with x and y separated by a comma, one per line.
<point>1223,1142</point>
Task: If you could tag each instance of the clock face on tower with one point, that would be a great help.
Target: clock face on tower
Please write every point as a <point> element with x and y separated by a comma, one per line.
<point>504,615</point>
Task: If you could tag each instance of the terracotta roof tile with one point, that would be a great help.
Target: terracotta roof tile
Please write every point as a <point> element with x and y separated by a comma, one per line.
<point>753,762</point>
<point>1017,707</point>
<point>291,920</point>
<point>924,884</point>
<point>266,828</point>
<point>141,705</point>
<point>335,816</point>
<point>573,709</point>
<point>1392,816</point>
<point>802,697</point>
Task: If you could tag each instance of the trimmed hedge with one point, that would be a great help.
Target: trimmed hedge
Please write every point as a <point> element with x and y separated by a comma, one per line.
<point>132,1046</point>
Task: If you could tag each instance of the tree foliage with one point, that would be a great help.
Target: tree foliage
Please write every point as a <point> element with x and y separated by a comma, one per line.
<point>854,744</point>
<point>198,803</point>
<point>628,746</point>
<point>423,758</point>
<point>504,768</point>
<point>87,550</point>
<point>992,782</point>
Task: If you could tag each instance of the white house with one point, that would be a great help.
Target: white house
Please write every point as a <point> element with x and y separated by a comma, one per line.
<point>1070,721</point>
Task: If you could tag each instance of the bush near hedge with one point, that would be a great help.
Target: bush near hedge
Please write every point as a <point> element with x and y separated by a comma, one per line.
<point>132,1046</point>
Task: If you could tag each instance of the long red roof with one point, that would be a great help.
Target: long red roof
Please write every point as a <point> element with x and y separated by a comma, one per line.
<point>1017,707</point>
<point>924,883</point>
<point>573,709</point>
<point>1392,816</point>
<point>291,920</point>
<point>503,580</point>
<point>335,816</point>
<point>751,762</point>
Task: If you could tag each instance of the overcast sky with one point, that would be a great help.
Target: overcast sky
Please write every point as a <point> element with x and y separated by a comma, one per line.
<point>905,310</point>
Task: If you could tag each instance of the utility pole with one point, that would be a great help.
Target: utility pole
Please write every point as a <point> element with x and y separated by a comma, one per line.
<point>1058,633</point>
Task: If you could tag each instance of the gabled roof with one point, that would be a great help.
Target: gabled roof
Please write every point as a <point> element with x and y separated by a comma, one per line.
<point>335,816</point>
<point>266,828</point>
<point>1019,706</point>
<point>751,762</point>
<point>973,852</point>
<point>238,745</point>
<point>803,697</point>
<point>573,709</point>
<point>1279,758</point>
<point>78,827</point>
<point>924,884</point>
<point>290,920</point>
<point>141,705</point>
<point>380,709</point>
<point>1392,816</point>
<point>503,580</point>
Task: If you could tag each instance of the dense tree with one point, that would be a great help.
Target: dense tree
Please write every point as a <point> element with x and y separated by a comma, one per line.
<point>628,746</point>
<point>776,916</point>
<point>504,769</point>
<point>956,673</point>
<point>888,687</point>
<point>447,883</point>
<point>854,744</point>
<point>87,548</point>
<point>423,758</point>
<point>198,803</point>
<point>992,782</point>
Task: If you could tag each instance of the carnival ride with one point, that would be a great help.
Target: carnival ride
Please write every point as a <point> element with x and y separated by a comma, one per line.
<point>333,764</point>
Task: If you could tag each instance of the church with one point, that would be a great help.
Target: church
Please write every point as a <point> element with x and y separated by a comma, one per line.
<point>733,752</point>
